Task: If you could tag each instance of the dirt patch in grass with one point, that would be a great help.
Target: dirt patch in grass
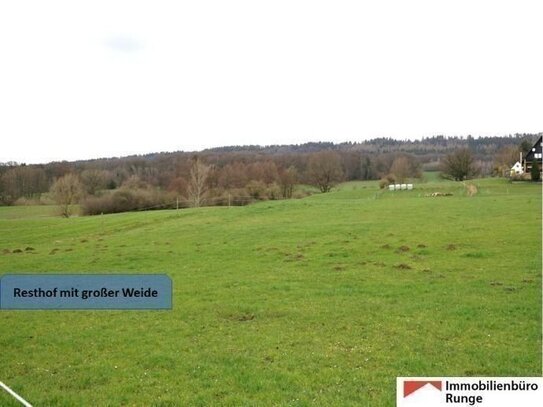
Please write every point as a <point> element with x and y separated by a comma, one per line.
<point>475,255</point>
<point>6,251</point>
<point>243,317</point>
<point>495,283</point>
<point>17,251</point>
<point>339,267</point>
<point>338,254</point>
<point>402,266</point>
<point>421,246</point>
<point>385,246</point>
<point>83,240</point>
<point>436,194</point>
<point>451,247</point>
<point>294,257</point>
<point>403,249</point>
<point>54,251</point>
<point>305,244</point>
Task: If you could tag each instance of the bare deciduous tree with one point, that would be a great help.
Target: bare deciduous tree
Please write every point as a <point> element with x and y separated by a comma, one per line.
<point>405,166</point>
<point>288,179</point>
<point>504,160</point>
<point>400,168</point>
<point>23,181</point>
<point>459,165</point>
<point>324,170</point>
<point>197,184</point>
<point>93,180</point>
<point>66,191</point>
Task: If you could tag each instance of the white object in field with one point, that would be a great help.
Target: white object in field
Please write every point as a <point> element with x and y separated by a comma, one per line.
<point>397,187</point>
<point>404,186</point>
<point>409,187</point>
<point>391,187</point>
<point>15,395</point>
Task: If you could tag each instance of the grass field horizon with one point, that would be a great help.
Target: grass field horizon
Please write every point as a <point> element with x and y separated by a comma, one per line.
<point>323,300</point>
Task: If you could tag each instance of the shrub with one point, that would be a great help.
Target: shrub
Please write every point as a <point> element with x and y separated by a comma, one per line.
<point>459,165</point>
<point>535,173</point>
<point>386,181</point>
<point>66,191</point>
<point>383,183</point>
<point>125,200</point>
<point>23,201</point>
<point>231,196</point>
<point>520,177</point>
<point>274,191</point>
<point>257,189</point>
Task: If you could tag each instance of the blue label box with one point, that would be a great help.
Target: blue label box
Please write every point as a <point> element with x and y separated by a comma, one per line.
<point>85,291</point>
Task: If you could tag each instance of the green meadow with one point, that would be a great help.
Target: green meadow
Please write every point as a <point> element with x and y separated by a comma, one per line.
<point>320,301</point>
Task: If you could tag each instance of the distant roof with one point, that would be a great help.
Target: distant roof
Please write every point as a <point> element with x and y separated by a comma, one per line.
<point>536,149</point>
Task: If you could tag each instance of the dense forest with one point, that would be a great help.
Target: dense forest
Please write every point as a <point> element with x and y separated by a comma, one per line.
<point>236,175</point>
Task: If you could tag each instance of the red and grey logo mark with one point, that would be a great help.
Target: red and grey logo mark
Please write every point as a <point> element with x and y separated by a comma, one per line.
<point>411,386</point>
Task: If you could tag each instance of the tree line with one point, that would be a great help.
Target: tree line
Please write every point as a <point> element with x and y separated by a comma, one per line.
<point>239,175</point>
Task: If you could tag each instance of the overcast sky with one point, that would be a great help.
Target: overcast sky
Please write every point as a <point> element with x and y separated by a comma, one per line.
<point>108,78</point>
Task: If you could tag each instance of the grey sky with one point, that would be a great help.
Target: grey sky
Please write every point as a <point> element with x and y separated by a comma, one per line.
<point>107,78</point>
<point>124,44</point>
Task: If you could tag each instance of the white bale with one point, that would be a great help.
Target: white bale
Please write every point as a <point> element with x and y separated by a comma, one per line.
<point>397,187</point>
<point>391,187</point>
<point>404,186</point>
<point>409,187</point>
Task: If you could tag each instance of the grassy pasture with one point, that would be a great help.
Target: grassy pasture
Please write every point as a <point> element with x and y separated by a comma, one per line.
<point>317,301</point>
